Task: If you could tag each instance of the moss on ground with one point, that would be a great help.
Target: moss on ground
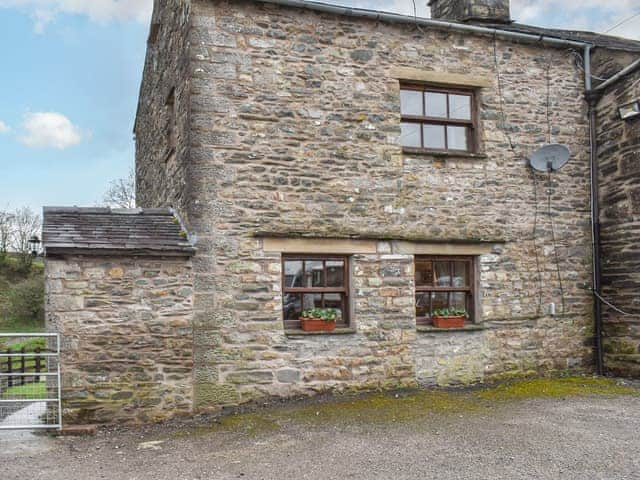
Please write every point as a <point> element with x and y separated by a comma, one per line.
<point>406,405</point>
<point>556,387</point>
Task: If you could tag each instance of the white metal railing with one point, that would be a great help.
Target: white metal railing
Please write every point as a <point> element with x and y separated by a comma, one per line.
<point>30,387</point>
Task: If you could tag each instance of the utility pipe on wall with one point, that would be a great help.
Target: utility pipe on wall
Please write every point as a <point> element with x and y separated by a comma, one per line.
<point>592,100</point>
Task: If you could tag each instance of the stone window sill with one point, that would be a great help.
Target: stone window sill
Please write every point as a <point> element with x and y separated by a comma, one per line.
<point>337,331</point>
<point>439,154</point>
<point>466,328</point>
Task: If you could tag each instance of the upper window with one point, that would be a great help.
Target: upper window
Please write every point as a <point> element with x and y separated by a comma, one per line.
<point>443,283</point>
<point>437,119</point>
<point>310,281</point>
<point>171,122</point>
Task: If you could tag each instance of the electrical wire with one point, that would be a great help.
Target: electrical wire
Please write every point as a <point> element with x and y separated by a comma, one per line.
<point>637,14</point>
<point>550,58</point>
<point>415,16</point>
<point>620,311</point>
<point>500,96</point>
<point>579,63</point>
<point>555,245</point>
<point>535,241</point>
<point>505,132</point>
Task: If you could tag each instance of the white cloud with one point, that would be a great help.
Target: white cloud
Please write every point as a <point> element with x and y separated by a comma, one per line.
<point>49,130</point>
<point>45,11</point>
<point>4,128</point>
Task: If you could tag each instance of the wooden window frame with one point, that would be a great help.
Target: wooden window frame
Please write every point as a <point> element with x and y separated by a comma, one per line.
<point>343,290</point>
<point>471,125</point>
<point>470,290</point>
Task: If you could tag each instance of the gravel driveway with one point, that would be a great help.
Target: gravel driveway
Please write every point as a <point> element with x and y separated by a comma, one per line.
<point>394,436</point>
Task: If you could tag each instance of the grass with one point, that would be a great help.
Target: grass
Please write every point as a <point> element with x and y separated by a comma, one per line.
<point>19,326</point>
<point>29,391</point>
<point>29,344</point>
<point>408,406</point>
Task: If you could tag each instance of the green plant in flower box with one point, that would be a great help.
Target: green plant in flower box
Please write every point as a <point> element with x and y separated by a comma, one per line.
<point>325,314</point>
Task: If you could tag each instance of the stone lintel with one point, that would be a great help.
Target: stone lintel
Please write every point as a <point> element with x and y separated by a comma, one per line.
<point>440,78</point>
<point>416,248</point>
<point>364,247</point>
<point>320,245</point>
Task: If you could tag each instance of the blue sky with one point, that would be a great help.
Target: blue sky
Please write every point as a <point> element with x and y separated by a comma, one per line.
<point>71,74</point>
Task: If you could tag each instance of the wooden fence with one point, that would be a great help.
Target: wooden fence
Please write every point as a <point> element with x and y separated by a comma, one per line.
<point>21,362</point>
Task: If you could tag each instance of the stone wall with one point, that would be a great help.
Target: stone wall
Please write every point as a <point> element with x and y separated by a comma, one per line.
<point>619,171</point>
<point>127,342</point>
<point>162,123</point>
<point>295,135</point>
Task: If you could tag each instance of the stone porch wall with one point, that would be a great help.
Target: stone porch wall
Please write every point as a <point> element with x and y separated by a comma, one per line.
<point>127,342</point>
<point>619,169</point>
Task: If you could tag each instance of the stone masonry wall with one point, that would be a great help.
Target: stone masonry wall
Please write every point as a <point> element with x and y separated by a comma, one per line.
<point>619,171</point>
<point>127,342</point>
<point>293,132</point>
<point>162,123</point>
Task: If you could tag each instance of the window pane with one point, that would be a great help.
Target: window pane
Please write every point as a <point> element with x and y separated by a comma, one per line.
<point>457,138</point>
<point>410,135</point>
<point>434,136</point>
<point>411,102</point>
<point>443,274</point>
<point>335,273</point>
<point>460,107</point>
<point>459,300</point>
<point>435,104</point>
<point>424,273</point>
<point>293,273</point>
<point>460,274</point>
<point>292,306</point>
<point>422,305</point>
<point>314,274</point>
<point>334,300</point>
<point>439,300</point>
<point>311,300</point>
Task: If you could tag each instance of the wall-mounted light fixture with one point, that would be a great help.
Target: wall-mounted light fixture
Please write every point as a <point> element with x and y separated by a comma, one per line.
<point>630,110</point>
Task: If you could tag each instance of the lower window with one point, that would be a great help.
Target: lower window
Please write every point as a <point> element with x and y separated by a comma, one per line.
<point>444,287</point>
<point>314,282</point>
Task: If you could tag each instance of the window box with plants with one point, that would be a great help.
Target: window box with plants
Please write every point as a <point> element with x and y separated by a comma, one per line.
<point>449,318</point>
<point>319,320</point>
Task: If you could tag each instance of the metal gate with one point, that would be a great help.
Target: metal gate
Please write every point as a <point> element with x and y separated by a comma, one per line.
<point>30,381</point>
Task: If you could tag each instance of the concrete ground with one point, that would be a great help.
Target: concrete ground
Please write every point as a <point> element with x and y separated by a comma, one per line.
<point>532,432</point>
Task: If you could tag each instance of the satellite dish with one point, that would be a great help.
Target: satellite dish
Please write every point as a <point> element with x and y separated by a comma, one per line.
<point>550,158</point>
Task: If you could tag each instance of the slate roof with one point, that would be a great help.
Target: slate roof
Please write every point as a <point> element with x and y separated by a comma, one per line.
<point>106,231</point>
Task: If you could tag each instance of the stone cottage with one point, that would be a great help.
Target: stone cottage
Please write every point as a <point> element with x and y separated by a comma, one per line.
<point>294,155</point>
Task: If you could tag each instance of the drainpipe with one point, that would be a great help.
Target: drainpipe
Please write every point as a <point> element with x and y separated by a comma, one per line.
<point>592,99</point>
<point>618,76</point>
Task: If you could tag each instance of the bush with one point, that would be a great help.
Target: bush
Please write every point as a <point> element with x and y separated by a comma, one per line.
<point>25,301</point>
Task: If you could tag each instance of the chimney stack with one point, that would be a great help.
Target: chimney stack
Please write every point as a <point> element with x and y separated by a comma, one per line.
<point>488,11</point>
